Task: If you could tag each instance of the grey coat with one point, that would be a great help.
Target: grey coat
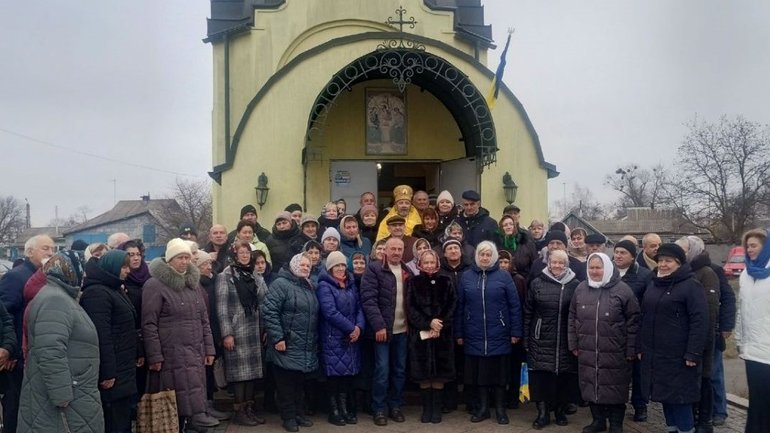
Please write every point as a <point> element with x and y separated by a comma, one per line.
<point>244,362</point>
<point>603,323</point>
<point>290,314</point>
<point>62,365</point>
<point>175,326</point>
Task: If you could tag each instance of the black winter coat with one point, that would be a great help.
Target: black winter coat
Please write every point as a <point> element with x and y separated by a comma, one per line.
<point>430,297</point>
<point>524,254</point>
<point>603,326</point>
<point>279,245</point>
<point>637,278</point>
<point>210,287</point>
<point>114,317</point>
<point>701,268</point>
<point>578,267</point>
<point>546,320</point>
<point>420,232</point>
<point>479,227</point>
<point>674,328</point>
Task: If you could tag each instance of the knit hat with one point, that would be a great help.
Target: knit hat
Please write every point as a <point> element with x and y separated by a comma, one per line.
<point>671,250</point>
<point>202,257</point>
<point>293,208</point>
<point>175,247</point>
<point>335,258</point>
<point>628,246</point>
<point>402,192</point>
<point>193,247</point>
<point>283,216</point>
<point>79,245</point>
<point>556,235</point>
<point>445,195</point>
<point>330,232</point>
<point>308,218</point>
<point>112,261</point>
<point>558,225</point>
<point>65,268</point>
<point>366,209</point>
<point>248,208</point>
<point>187,229</point>
<point>451,242</point>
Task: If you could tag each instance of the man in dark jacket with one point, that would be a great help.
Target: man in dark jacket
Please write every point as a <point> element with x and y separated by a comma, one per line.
<point>38,249</point>
<point>217,247</point>
<point>383,294</point>
<point>475,220</point>
<point>646,257</point>
<point>637,278</point>
<point>249,213</point>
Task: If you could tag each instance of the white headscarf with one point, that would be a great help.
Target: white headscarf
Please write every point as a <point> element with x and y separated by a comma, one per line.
<point>609,269</point>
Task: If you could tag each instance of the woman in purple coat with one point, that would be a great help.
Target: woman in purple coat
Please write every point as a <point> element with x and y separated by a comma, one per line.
<point>340,326</point>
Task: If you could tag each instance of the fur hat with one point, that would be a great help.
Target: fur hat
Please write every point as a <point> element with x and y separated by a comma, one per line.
<point>402,192</point>
<point>671,250</point>
<point>335,258</point>
<point>175,247</point>
<point>628,246</point>
<point>445,195</point>
<point>330,232</point>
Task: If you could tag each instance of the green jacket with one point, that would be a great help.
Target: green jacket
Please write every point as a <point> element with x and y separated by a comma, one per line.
<point>62,371</point>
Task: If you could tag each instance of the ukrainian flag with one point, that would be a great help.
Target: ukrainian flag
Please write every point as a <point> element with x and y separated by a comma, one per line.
<point>495,89</point>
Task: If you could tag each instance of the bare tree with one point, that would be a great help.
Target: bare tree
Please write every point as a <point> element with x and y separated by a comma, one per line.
<point>722,176</point>
<point>638,187</point>
<point>194,199</point>
<point>79,217</point>
<point>12,220</point>
<point>582,201</point>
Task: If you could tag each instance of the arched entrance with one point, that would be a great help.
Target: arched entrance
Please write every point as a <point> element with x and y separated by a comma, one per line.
<point>402,68</point>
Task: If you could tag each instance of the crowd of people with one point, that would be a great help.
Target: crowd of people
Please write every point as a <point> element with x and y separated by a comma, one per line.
<point>440,294</point>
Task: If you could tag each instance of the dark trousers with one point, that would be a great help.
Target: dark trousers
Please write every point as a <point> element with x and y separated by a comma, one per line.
<point>289,385</point>
<point>117,415</point>
<point>518,356</point>
<point>211,384</point>
<point>11,397</point>
<point>758,378</point>
<point>637,399</point>
<point>244,391</point>
<point>678,416</point>
<point>703,409</point>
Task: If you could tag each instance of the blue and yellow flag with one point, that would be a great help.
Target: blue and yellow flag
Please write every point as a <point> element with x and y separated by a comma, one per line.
<point>497,81</point>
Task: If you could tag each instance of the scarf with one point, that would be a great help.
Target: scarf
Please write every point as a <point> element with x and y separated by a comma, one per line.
<point>651,263</point>
<point>510,242</point>
<point>758,269</point>
<point>563,279</point>
<point>245,286</point>
<point>139,276</point>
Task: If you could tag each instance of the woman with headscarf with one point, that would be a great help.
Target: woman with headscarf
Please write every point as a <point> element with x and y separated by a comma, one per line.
<point>430,304</point>
<point>114,317</point>
<point>752,330</point>
<point>290,315</point>
<point>488,322</point>
<point>177,336</point>
<point>603,323</point>
<point>60,390</point>
<point>341,323</point>
<point>552,368</point>
<point>240,293</point>
<point>672,337</point>
<point>419,246</point>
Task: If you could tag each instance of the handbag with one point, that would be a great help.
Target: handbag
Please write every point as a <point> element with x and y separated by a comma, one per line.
<point>219,373</point>
<point>524,384</point>
<point>157,412</point>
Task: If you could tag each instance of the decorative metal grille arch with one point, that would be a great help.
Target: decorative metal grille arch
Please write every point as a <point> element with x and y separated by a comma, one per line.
<point>413,65</point>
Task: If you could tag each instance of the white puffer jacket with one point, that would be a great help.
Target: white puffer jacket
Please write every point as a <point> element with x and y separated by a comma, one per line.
<point>752,329</point>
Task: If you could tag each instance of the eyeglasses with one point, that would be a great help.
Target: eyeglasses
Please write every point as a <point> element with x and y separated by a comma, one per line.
<point>134,254</point>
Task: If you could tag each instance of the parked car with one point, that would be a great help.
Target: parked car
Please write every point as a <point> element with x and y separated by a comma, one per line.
<point>735,263</point>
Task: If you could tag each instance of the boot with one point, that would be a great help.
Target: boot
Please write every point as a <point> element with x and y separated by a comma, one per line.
<point>616,414</point>
<point>335,417</point>
<point>561,415</point>
<point>242,416</point>
<point>348,413</point>
<point>705,426</point>
<point>251,410</point>
<point>435,417</point>
<point>543,416</point>
<point>482,412</point>
<point>599,423</point>
<point>500,415</point>
<point>212,411</point>
<point>426,396</point>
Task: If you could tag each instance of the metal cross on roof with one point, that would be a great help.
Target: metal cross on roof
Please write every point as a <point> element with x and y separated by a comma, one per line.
<point>400,22</point>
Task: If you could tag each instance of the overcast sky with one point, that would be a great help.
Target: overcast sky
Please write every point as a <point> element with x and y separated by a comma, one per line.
<point>95,91</point>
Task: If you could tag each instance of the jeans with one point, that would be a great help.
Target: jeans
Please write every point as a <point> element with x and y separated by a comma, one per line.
<point>389,373</point>
<point>718,385</point>
<point>679,417</point>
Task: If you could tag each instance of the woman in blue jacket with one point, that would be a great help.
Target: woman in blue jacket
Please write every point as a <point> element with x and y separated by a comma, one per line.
<point>341,323</point>
<point>487,324</point>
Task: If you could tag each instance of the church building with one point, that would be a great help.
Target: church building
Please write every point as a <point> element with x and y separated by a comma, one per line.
<point>320,100</point>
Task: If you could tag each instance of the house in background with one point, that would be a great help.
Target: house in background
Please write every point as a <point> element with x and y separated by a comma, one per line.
<point>144,219</point>
<point>16,249</point>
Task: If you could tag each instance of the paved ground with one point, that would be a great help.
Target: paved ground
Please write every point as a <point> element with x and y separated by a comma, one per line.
<point>457,422</point>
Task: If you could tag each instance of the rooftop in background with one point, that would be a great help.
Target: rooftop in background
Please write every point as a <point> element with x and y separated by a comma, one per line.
<point>126,209</point>
<point>235,16</point>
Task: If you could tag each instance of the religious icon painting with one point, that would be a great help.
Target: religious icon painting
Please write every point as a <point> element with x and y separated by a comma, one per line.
<point>385,122</point>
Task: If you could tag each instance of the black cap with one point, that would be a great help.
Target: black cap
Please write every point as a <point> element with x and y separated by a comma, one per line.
<point>293,208</point>
<point>671,250</point>
<point>471,195</point>
<point>556,235</point>
<point>596,238</point>
<point>188,229</point>
<point>511,208</point>
<point>396,219</point>
<point>628,246</point>
<point>79,245</point>
<point>248,208</point>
